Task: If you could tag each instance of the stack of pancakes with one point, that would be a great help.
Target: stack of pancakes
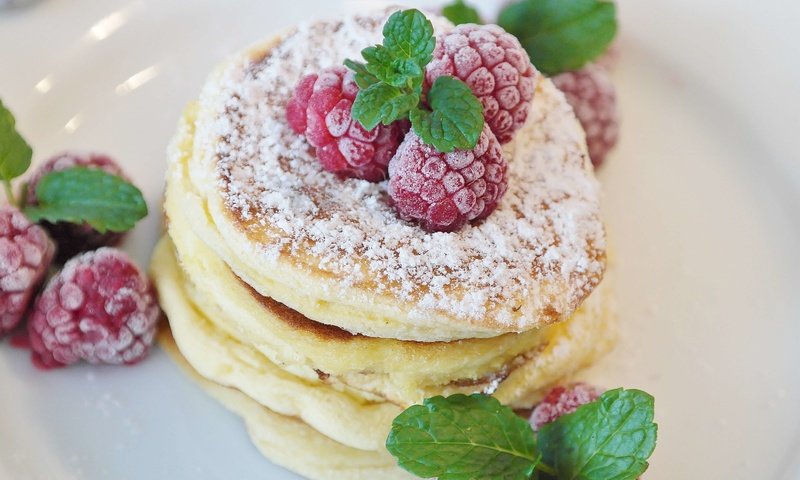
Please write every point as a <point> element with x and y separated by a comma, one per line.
<point>305,305</point>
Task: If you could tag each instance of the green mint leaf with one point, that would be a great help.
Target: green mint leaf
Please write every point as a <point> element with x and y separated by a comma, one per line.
<point>397,72</point>
<point>15,153</point>
<point>408,34</point>
<point>459,13</point>
<point>463,438</point>
<point>382,103</point>
<point>610,438</point>
<point>78,194</point>
<point>456,119</point>
<point>561,36</point>
<point>363,78</point>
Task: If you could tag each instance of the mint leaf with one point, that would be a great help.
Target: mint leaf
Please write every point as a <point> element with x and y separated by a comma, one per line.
<point>363,78</point>
<point>382,103</point>
<point>78,194</point>
<point>561,36</point>
<point>395,71</point>
<point>463,438</point>
<point>456,119</point>
<point>610,438</point>
<point>15,153</point>
<point>459,12</point>
<point>408,34</point>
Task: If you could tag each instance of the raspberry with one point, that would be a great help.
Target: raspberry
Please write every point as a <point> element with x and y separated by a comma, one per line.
<point>72,238</point>
<point>444,191</point>
<point>320,109</point>
<point>99,308</point>
<point>561,401</point>
<point>591,93</point>
<point>25,254</point>
<point>497,69</point>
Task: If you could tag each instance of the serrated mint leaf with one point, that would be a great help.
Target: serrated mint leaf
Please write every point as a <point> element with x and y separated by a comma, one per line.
<point>408,34</point>
<point>455,119</point>
<point>363,78</point>
<point>610,438</point>
<point>398,107</point>
<point>382,103</point>
<point>463,438</point>
<point>459,13</point>
<point>15,153</point>
<point>561,36</point>
<point>78,194</point>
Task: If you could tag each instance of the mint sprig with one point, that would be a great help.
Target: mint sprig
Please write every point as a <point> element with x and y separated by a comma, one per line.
<point>475,437</point>
<point>390,87</point>
<point>79,194</point>
<point>459,13</point>
<point>561,36</point>
<point>462,438</point>
<point>15,153</point>
<point>611,437</point>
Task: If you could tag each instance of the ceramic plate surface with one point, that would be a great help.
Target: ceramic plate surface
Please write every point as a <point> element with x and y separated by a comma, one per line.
<point>702,199</point>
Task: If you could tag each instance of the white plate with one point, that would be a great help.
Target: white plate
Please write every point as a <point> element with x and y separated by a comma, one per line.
<point>702,203</point>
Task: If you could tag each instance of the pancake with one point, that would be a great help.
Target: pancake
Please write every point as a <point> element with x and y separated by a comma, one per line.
<point>334,250</point>
<point>343,413</point>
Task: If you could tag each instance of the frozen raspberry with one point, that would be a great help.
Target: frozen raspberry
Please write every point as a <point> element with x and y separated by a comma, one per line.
<point>496,68</point>
<point>591,93</point>
<point>320,109</point>
<point>561,401</point>
<point>25,254</point>
<point>72,238</point>
<point>99,308</point>
<point>444,191</point>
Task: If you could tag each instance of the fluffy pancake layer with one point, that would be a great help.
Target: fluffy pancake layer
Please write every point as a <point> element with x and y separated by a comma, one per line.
<point>335,251</point>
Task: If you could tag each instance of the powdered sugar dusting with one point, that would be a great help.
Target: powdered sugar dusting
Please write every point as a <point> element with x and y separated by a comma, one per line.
<point>544,239</point>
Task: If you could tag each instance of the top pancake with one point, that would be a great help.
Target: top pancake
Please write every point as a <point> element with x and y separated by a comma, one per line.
<point>335,251</point>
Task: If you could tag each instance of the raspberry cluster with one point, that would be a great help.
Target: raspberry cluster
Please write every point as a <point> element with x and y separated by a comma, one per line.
<point>100,307</point>
<point>441,191</point>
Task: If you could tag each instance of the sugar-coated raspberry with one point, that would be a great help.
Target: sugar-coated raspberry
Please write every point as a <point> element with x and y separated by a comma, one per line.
<point>562,400</point>
<point>444,191</point>
<point>496,68</point>
<point>321,108</point>
<point>25,254</point>
<point>74,238</point>
<point>591,93</point>
<point>100,308</point>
